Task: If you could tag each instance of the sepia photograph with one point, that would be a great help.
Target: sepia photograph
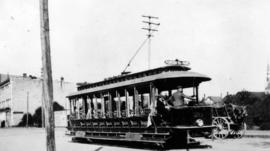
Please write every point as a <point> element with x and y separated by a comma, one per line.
<point>134,75</point>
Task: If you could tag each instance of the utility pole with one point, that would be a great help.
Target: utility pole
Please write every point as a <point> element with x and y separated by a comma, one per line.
<point>268,73</point>
<point>47,75</point>
<point>42,101</point>
<point>27,110</point>
<point>149,35</point>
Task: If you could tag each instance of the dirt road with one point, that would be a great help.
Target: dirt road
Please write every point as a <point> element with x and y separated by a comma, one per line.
<point>33,139</point>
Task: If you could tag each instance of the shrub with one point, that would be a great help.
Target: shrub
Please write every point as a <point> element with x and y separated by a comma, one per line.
<point>265,126</point>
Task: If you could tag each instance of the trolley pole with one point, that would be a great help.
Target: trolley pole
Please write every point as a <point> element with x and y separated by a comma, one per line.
<point>149,35</point>
<point>47,75</point>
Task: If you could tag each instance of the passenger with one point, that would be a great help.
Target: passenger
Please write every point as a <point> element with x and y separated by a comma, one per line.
<point>161,103</point>
<point>163,108</point>
<point>178,98</point>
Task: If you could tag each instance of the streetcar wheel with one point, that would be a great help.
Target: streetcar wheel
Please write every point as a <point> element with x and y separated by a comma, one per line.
<point>222,128</point>
<point>160,145</point>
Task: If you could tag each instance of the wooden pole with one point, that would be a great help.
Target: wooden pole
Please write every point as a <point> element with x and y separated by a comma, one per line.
<point>42,101</point>
<point>27,112</point>
<point>47,75</point>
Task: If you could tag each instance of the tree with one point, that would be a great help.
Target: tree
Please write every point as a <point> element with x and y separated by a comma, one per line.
<point>258,106</point>
<point>57,107</point>
<point>23,122</point>
<point>37,119</point>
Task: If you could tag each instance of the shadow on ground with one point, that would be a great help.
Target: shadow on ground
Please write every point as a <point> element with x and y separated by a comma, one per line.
<point>264,144</point>
<point>138,145</point>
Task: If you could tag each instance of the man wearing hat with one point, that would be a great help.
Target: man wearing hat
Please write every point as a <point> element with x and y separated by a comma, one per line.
<point>178,97</point>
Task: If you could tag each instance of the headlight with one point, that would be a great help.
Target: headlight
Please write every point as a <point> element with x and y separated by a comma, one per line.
<point>199,122</point>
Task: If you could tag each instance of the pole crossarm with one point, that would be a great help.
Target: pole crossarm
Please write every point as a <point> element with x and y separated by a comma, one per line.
<point>151,23</point>
<point>148,16</point>
<point>149,29</point>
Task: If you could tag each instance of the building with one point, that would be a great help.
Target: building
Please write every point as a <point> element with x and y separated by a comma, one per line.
<point>22,94</point>
<point>214,100</point>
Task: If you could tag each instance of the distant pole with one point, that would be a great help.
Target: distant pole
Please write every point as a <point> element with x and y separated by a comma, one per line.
<point>42,101</point>
<point>149,35</point>
<point>27,109</point>
<point>149,52</point>
<point>47,75</point>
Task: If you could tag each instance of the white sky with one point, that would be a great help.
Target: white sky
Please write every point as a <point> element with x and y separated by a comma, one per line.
<point>227,40</point>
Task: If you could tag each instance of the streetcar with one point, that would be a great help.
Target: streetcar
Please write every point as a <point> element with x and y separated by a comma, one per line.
<point>128,108</point>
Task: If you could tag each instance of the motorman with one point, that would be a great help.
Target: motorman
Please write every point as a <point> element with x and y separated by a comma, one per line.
<point>178,97</point>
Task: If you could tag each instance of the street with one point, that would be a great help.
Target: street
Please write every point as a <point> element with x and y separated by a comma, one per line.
<point>33,139</point>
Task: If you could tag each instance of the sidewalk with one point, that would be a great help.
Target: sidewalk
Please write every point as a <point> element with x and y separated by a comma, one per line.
<point>257,133</point>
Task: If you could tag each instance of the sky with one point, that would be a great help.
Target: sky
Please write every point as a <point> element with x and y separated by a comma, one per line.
<point>227,40</point>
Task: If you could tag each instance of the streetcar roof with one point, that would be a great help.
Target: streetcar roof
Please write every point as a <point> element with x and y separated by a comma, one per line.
<point>168,73</point>
<point>125,77</point>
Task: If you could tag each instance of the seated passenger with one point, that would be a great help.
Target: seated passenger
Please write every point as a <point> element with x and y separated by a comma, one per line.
<point>178,98</point>
<point>162,108</point>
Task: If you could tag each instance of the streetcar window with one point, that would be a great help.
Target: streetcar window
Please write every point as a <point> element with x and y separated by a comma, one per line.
<point>123,106</point>
<point>145,100</point>
<point>131,105</point>
<point>99,113</point>
<point>98,104</point>
<point>114,106</point>
<point>189,91</point>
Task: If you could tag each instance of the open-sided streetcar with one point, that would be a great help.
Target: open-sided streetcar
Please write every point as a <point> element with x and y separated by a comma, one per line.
<point>131,108</point>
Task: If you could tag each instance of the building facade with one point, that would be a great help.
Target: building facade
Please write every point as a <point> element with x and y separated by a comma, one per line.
<point>23,94</point>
